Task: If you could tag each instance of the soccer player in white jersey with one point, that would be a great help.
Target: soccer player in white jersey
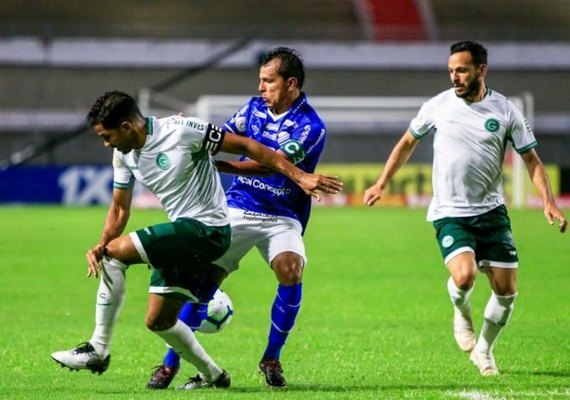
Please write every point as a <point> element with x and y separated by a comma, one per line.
<point>172,157</point>
<point>471,125</point>
<point>267,211</point>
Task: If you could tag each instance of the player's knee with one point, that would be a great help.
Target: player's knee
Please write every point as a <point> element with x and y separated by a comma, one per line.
<point>464,280</point>
<point>158,322</point>
<point>289,274</point>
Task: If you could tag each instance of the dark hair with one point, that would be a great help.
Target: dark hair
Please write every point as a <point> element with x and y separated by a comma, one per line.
<point>113,108</point>
<point>291,63</point>
<point>478,52</point>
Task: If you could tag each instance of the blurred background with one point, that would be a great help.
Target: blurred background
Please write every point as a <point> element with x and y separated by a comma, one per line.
<point>370,64</point>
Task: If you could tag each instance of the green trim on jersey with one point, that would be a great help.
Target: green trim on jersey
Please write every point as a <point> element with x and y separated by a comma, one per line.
<point>527,148</point>
<point>149,127</point>
<point>414,134</point>
<point>129,185</point>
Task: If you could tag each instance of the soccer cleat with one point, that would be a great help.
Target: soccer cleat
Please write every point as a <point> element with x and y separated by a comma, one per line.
<point>485,362</point>
<point>273,372</point>
<point>223,382</point>
<point>161,377</point>
<point>82,357</point>
<point>463,331</point>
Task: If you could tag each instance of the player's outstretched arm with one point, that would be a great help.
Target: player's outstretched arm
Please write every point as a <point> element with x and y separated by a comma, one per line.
<point>539,178</point>
<point>312,184</point>
<point>246,168</point>
<point>398,157</point>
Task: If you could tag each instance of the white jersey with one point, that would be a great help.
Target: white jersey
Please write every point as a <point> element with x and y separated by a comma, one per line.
<point>175,164</point>
<point>469,148</point>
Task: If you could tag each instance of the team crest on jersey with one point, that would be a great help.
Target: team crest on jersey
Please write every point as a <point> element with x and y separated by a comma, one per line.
<point>447,241</point>
<point>163,161</point>
<point>492,125</point>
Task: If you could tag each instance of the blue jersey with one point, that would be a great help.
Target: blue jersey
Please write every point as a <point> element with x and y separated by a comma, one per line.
<point>300,134</point>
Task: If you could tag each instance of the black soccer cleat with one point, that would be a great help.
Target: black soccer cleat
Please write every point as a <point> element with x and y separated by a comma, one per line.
<point>273,373</point>
<point>161,377</point>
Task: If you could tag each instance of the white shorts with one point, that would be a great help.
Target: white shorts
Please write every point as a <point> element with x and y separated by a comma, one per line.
<point>271,234</point>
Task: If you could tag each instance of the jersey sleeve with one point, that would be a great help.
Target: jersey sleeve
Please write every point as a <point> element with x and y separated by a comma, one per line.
<point>423,123</point>
<point>237,123</point>
<point>520,131</point>
<point>123,177</point>
<point>306,140</point>
<point>198,135</point>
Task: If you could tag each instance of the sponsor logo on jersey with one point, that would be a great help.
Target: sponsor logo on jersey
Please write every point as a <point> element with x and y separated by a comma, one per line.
<point>270,136</point>
<point>255,216</point>
<point>527,126</point>
<point>305,134</point>
<point>163,161</point>
<point>288,123</point>
<point>283,137</point>
<point>272,127</point>
<point>257,184</point>
<point>259,114</point>
<point>492,125</point>
<point>196,125</point>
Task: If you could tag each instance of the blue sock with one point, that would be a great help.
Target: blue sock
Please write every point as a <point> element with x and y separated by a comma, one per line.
<point>283,314</point>
<point>192,315</point>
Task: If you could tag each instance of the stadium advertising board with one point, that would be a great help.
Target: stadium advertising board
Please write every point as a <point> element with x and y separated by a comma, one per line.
<point>93,184</point>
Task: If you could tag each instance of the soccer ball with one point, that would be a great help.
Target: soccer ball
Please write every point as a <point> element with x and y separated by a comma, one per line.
<point>220,312</point>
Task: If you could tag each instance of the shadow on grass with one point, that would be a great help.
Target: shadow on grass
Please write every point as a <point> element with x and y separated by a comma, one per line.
<point>554,374</point>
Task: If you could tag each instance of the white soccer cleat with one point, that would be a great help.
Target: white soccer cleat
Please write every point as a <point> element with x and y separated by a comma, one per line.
<point>463,331</point>
<point>82,357</point>
<point>222,382</point>
<point>485,362</point>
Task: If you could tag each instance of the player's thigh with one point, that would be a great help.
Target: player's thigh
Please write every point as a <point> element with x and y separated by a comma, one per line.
<point>124,250</point>
<point>495,244</point>
<point>496,251</point>
<point>246,233</point>
<point>283,236</point>
<point>454,237</point>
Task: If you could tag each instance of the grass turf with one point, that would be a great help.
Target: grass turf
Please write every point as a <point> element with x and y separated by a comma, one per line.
<point>375,321</point>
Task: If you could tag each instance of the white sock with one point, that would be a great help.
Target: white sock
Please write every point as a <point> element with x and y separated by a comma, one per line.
<point>181,338</point>
<point>460,298</point>
<point>497,313</point>
<point>110,298</point>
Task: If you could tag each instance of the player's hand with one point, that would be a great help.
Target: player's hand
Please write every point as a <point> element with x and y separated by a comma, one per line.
<point>372,195</point>
<point>314,184</point>
<point>94,257</point>
<point>552,212</point>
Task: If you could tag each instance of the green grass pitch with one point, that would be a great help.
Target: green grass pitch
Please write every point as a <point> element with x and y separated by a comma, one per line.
<point>376,322</point>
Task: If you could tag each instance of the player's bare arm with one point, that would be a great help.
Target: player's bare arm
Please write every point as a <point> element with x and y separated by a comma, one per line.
<point>246,168</point>
<point>115,222</point>
<point>312,184</point>
<point>539,178</point>
<point>398,157</point>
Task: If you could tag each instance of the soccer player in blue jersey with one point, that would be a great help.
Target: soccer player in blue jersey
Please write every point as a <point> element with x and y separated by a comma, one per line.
<point>472,125</point>
<point>172,157</point>
<point>267,210</point>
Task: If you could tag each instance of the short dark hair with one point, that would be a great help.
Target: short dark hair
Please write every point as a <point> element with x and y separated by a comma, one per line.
<point>291,63</point>
<point>113,108</point>
<point>478,52</point>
